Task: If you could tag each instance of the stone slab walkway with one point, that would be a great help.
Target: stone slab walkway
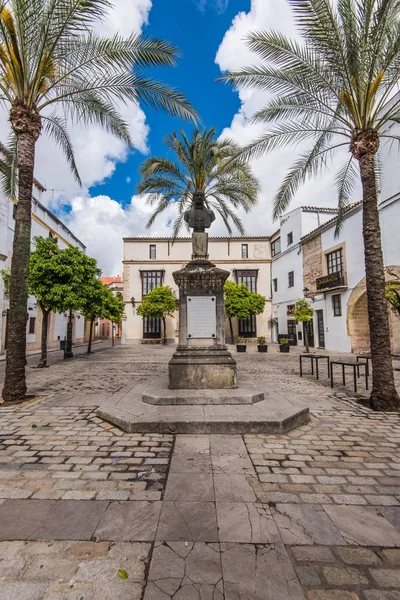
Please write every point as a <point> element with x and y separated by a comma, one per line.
<point>313,514</point>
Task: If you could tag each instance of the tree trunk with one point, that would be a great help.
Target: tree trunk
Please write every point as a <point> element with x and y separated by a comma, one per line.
<point>89,348</point>
<point>45,324</point>
<point>26,125</point>
<point>165,332</point>
<point>384,395</point>
<point>231,329</point>
<point>305,331</point>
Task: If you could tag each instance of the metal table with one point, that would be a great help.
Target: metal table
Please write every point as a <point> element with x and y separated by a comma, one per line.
<point>356,369</point>
<point>313,357</point>
<point>366,357</point>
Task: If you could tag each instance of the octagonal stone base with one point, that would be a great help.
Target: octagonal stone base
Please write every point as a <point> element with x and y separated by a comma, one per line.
<point>277,413</point>
<point>158,393</point>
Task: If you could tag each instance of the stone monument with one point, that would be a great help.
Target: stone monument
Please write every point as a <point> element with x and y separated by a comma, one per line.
<point>202,360</point>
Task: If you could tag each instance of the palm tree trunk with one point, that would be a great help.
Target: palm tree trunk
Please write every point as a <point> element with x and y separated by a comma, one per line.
<point>89,348</point>
<point>231,329</point>
<point>384,395</point>
<point>15,382</point>
<point>45,323</point>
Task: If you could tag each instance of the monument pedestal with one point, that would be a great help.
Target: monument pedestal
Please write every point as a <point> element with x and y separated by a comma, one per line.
<point>202,360</point>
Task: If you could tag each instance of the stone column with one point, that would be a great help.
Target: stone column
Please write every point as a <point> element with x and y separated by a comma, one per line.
<point>123,329</point>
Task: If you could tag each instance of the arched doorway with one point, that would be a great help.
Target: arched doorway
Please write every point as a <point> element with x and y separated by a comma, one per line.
<point>357,316</point>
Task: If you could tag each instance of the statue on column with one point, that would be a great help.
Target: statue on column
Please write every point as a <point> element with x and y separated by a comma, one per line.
<point>199,217</point>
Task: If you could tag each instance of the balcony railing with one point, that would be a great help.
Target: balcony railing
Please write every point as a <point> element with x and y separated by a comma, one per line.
<point>333,280</point>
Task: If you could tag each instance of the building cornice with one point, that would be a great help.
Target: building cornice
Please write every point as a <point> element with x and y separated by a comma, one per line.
<point>265,238</point>
<point>185,261</point>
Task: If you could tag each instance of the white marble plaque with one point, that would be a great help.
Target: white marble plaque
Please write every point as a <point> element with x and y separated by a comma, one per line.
<point>201,317</point>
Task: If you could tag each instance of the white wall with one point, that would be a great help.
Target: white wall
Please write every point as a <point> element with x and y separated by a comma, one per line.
<point>336,337</point>
<point>300,222</point>
<point>226,253</point>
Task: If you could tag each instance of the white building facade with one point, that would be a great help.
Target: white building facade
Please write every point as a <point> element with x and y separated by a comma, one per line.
<point>287,267</point>
<point>149,262</point>
<point>334,279</point>
<point>44,224</point>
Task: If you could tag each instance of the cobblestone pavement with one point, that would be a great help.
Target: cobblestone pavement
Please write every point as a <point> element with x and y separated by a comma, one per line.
<point>88,512</point>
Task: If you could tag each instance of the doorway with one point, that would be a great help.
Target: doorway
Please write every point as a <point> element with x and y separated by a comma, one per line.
<point>308,333</point>
<point>248,327</point>
<point>292,332</point>
<point>321,330</point>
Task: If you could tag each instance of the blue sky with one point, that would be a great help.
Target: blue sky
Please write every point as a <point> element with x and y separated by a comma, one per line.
<point>198,33</point>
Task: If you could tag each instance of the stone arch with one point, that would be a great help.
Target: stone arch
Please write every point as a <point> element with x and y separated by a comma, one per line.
<point>357,315</point>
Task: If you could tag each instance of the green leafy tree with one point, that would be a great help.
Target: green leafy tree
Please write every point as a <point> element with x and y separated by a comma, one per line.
<point>304,313</point>
<point>339,88</point>
<point>202,163</point>
<point>59,279</point>
<point>392,291</point>
<point>101,303</point>
<point>158,304</point>
<point>6,277</point>
<point>241,303</point>
<point>115,310</point>
<point>51,59</point>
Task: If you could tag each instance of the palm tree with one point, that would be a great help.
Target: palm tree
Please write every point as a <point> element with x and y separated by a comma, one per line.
<point>204,164</point>
<point>337,88</point>
<point>49,58</point>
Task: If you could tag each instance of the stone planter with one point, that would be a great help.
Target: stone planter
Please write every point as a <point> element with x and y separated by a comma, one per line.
<point>262,347</point>
<point>241,347</point>
<point>284,348</point>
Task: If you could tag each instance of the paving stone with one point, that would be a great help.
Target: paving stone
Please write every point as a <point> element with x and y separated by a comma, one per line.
<point>261,572</point>
<point>70,520</point>
<point>88,549</point>
<point>234,487</point>
<point>363,526</point>
<point>185,571</point>
<point>129,521</point>
<point>358,556</point>
<point>245,523</point>
<point>386,577</point>
<point>21,590</point>
<point>392,555</point>
<point>306,524</point>
<point>190,487</point>
<point>51,569</point>
<point>313,554</point>
<point>20,518</point>
<point>344,576</point>
<point>331,595</point>
<point>308,576</point>
<point>381,595</point>
<point>187,521</point>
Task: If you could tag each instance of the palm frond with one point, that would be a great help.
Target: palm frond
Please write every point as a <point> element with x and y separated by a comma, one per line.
<point>56,128</point>
<point>345,181</point>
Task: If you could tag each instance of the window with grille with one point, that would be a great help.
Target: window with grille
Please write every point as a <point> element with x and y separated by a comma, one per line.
<point>291,279</point>
<point>337,305</point>
<point>245,251</point>
<point>150,280</point>
<point>335,262</point>
<point>153,251</point>
<point>276,247</point>
<point>32,324</point>
<point>275,284</point>
<point>290,238</point>
<point>249,278</point>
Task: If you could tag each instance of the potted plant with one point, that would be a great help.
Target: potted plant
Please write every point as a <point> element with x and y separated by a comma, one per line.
<point>241,344</point>
<point>261,344</point>
<point>284,345</point>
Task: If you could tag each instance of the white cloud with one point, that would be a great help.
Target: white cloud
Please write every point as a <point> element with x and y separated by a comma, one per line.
<point>128,180</point>
<point>219,5</point>
<point>101,223</point>
<point>232,55</point>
